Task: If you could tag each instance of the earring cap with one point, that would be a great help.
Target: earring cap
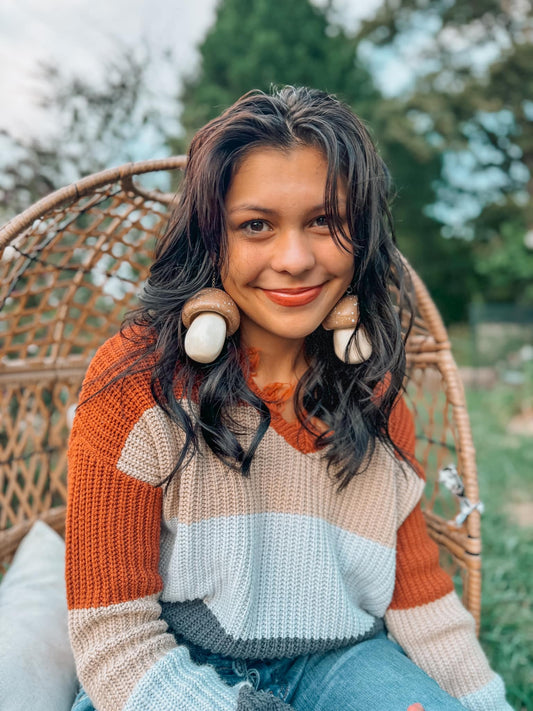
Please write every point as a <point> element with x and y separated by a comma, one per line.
<point>345,314</point>
<point>212,300</point>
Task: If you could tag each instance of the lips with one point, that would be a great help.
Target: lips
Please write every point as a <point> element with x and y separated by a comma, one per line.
<point>293,297</point>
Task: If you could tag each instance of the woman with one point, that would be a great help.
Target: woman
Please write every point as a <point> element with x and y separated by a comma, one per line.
<point>243,525</point>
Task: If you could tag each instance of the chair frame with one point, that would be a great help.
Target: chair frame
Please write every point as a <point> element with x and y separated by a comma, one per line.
<point>428,352</point>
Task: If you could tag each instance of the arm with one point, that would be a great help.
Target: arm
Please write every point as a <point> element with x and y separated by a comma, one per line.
<point>125,657</point>
<point>425,615</point>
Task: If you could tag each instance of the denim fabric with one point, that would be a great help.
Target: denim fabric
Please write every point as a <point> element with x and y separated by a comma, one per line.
<point>373,675</point>
<point>82,702</point>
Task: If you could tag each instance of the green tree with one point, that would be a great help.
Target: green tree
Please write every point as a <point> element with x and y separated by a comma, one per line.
<point>445,264</point>
<point>470,98</point>
<point>257,43</point>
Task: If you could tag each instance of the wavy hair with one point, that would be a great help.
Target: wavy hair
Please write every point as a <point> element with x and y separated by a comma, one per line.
<point>354,401</point>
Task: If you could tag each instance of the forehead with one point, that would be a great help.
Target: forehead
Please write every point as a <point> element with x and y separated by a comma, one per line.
<point>299,173</point>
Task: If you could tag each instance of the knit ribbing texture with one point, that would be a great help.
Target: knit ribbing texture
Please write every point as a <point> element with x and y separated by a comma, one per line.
<point>273,565</point>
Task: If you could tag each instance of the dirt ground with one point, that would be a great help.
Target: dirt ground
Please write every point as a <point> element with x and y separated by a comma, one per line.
<point>521,513</point>
<point>522,424</point>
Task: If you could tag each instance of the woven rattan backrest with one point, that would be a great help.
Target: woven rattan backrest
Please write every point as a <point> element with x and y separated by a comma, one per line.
<point>436,397</point>
<point>71,266</point>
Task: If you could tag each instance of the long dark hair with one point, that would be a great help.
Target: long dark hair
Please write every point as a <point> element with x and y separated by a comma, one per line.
<point>354,401</point>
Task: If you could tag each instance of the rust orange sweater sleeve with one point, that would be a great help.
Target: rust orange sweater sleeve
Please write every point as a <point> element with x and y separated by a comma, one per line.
<point>425,615</point>
<point>419,577</point>
<point>107,547</point>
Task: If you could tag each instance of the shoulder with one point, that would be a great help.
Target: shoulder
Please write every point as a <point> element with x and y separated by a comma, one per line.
<point>118,420</point>
<point>118,353</point>
<point>117,385</point>
<point>127,357</point>
<point>402,426</point>
<point>403,434</point>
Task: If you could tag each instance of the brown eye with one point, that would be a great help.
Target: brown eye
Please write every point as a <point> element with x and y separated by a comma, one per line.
<point>254,227</point>
<point>321,221</point>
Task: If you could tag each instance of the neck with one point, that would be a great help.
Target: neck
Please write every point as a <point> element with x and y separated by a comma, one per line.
<point>280,360</point>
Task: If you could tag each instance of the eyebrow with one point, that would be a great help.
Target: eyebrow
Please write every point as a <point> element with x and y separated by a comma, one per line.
<point>251,208</point>
<point>266,210</point>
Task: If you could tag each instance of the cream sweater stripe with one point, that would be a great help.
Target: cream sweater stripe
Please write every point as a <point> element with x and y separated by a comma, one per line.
<point>116,646</point>
<point>440,638</point>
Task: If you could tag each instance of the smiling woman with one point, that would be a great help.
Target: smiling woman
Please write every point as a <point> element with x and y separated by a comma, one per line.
<point>283,269</point>
<point>244,528</point>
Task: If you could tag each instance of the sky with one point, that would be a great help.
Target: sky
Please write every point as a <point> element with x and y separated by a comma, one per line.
<point>81,34</point>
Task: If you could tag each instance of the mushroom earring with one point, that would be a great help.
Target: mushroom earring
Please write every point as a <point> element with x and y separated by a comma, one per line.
<point>342,320</point>
<point>209,317</point>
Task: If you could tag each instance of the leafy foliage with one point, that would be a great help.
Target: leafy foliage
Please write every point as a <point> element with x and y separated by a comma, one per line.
<point>470,99</point>
<point>264,42</point>
<point>94,126</point>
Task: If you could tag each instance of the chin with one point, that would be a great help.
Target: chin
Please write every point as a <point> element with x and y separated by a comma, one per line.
<point>297,333</point>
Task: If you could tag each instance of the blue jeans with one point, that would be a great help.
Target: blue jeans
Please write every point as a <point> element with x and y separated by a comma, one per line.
<point>374,675</point>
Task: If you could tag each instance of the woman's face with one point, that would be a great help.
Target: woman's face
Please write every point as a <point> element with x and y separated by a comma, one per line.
<point>284,270</point>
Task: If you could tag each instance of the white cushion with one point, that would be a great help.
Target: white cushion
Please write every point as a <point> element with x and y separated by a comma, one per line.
<point>36,663</point>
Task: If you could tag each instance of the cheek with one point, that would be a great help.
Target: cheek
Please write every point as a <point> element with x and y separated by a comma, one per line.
<point>339,262</point>
<point>245,263</point>
<point>240,267</point>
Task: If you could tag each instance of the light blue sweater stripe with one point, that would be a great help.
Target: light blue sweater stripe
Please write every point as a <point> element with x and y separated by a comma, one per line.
<point>488,698</point>
<point>175,682</point>
<point>266,564</point>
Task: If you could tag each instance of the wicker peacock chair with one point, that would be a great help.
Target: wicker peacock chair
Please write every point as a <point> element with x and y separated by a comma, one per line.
<point>71,266</point>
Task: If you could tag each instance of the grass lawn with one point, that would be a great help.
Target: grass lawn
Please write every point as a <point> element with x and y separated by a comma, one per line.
<point>505,466</point>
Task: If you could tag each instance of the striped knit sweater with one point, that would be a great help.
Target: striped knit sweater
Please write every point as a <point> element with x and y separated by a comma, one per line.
<point>274,565</point>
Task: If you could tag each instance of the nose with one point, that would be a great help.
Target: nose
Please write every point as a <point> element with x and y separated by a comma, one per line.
<point>293,252</point>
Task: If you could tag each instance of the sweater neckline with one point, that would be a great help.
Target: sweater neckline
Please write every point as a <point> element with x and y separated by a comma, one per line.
<point>275,395</point>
